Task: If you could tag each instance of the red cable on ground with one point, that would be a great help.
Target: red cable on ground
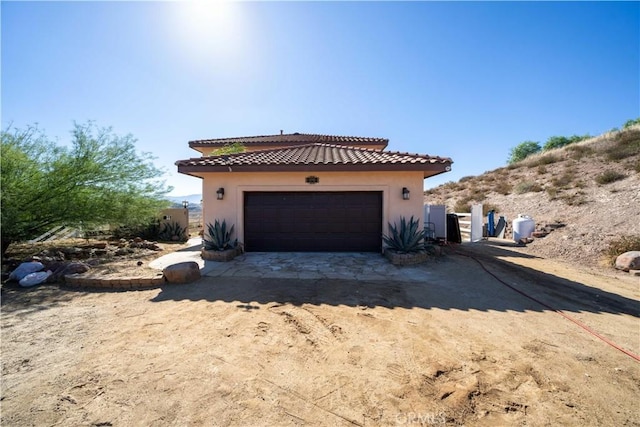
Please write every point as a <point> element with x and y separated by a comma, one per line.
<point>560,312</point>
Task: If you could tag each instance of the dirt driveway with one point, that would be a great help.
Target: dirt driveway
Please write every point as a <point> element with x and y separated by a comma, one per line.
<point>440,344</point>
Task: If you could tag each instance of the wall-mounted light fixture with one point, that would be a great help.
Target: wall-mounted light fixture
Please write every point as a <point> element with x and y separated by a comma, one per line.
<point>220,193</point>
<point>405,193</point>
<point>185,204</point>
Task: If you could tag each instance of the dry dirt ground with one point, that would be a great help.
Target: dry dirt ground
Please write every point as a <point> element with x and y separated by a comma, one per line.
<point>444,343</point>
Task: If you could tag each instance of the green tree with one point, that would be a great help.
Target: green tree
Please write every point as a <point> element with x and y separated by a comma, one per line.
<point>99,179</point>
<point>631,122</point>
<point>556,142</point>
<point>561,141</point>
<point>523,150</point>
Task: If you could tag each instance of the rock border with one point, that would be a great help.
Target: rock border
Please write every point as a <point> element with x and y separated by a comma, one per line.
<point>123,283</point>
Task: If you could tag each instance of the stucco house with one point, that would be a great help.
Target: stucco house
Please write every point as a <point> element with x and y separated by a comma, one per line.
<point>304,192</point>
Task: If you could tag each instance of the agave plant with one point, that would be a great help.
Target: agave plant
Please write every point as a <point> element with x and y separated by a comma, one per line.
<point>407,238</point>
<point>219,237</point>
<point>173,232</point>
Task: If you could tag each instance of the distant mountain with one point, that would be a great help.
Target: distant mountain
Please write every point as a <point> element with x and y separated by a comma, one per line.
<point>193,199</point>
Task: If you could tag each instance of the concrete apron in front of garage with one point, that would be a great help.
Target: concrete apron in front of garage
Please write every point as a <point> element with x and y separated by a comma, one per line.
<point>295,265</point>
<point>312,265</point>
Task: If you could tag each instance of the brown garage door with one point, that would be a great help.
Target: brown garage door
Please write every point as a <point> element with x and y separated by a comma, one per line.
<point>313,221</point>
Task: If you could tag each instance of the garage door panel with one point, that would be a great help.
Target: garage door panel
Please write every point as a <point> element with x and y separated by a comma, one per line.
<point>313,221</point>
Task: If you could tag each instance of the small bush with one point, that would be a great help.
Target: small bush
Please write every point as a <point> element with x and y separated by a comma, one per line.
<point>542,169</point>
<point>462,206</point>
<point>565,179</point>
<point>576,199</point>
<point>466,178</point>
<point>486,207</point>
<point>527,187</point>
<point>621,245</point>
<point>147,231</point>
<point>609,176</point>
<point>579,151</point>
<point>547,159</point>
<point>503,187</point>
<point>627,144</point>
<point>477,194</point>
<point>552,192</point>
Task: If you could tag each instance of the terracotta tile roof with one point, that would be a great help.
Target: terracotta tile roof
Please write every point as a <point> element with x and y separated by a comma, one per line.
<point>316,156</point>
<point>289,139</point>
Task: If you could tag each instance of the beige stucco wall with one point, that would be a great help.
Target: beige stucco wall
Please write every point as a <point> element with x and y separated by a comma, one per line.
<point>179,215</point>
<point>235,184</point>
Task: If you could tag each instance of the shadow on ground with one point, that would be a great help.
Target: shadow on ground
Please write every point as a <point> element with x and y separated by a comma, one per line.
<point>458,282</point>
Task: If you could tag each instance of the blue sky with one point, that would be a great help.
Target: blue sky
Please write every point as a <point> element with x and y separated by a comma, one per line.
<point>467,80</point>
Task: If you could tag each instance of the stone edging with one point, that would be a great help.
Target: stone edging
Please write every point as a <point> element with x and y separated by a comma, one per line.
<point>82,281</point>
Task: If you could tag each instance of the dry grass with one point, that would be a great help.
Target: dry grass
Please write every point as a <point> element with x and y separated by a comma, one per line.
<point>609,176</point>
<point>574,199</point>
<point>527,187</point>
<point>621,245</point>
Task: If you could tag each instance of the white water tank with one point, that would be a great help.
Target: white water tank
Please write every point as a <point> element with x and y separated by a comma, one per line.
<point>523,226</point>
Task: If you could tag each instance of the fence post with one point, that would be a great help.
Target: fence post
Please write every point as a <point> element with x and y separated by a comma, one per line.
<point>476,223</point>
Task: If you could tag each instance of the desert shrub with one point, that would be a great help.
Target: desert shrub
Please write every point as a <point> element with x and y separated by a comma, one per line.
<point>580,184</point>
<point>579,151</point>
<point>503,187</point>
<point>466,178</point>
<point>552,192</point>
<point>576,199</point>
<point>627,144</point>
<point>527,187</point>
<point>148,231</point>
<point>547,159</point>
<point>477,194</point>
<point>542,169</point>
<point>636,167</point>
<point>462,206</point>
<point>486,207</point>
<point>564,180</point>
<point>607,177</point>
<point>621,245</point>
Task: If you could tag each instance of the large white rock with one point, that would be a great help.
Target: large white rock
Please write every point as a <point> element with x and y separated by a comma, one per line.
<point>628,261</point>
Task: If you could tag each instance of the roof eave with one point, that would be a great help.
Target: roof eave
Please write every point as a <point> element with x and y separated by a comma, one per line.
<point>428,169</point>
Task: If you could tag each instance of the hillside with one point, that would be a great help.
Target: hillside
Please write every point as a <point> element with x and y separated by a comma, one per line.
<point>593,187</point>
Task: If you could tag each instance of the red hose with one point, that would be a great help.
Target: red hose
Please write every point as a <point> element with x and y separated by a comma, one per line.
<point>560,312</point>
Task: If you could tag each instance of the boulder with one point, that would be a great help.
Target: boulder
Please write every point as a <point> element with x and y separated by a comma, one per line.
<point>183,272</point>
<point>628,261</point>
<point>72,268</point>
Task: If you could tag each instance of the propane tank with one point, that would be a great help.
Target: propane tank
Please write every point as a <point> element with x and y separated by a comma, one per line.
<point>523,226</point>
